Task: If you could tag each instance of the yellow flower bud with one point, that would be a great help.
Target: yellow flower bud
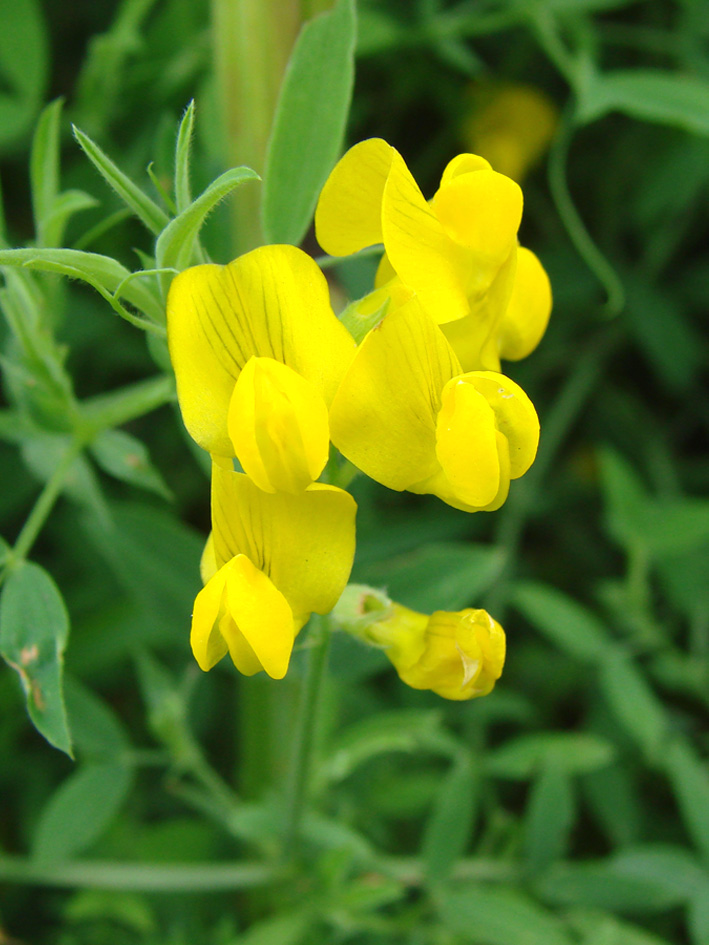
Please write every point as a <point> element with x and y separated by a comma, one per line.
<point>278,426</point>
<point>456,655</point>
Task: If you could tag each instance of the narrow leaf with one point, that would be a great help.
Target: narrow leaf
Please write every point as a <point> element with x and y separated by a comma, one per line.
<point>569,625</point>
<point>575,753</point>
<point>655,95</point>
<point>310,121</point>
<point>44,166</point>
<point>34,627</point>
<point>80,810</point>
<point>183,197</point>
<point>147,211</point>
<point>448,829</point>
<point>690,780</point>
<point>123,456</point>
<point>174,246</point>
<point>634,704</point>
<point>549,818</point>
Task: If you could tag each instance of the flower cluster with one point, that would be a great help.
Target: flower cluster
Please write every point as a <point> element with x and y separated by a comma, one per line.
<point>406,385</point>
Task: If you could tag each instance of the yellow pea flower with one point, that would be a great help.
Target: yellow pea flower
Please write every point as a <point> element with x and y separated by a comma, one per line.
<point>272,560</point>
<point>407,416</point>
<point>258,355</point>
<point>449,251</point>
<point>456,655</point>
<point>457,253</point>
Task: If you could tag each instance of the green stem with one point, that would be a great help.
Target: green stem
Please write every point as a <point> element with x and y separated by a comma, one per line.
<point>575,227</point>
<point>319,640</point>
<point>44,505</point>
<point>141,877</point>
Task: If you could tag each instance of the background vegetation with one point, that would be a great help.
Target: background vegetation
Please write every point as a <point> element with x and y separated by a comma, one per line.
<point>570,807</point>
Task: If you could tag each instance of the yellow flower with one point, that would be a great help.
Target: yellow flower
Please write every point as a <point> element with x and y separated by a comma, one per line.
<point>456,254</point>
<point>456,655</point>
<point>258,355</point>
<point>272,560</point>
<point>511,126</point>
<point>407,416</point>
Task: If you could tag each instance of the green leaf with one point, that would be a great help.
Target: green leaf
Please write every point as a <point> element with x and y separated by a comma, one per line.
<point>123,456</point>
<point>93,268</point>
<point>698,917</point>
<point>569,625</point>
<point>44,166</point>
<point>34,627</point>
<point>288,928</point>
<point>574,753</point>
<point>98,732</point>
<point>549,818</point>
<point>128,403</point>
<point>80,810</point>
<point>655,95</point>
<point>403,730</point>
<point>63,209</point>
<point>183,196</point>
<point>673,868</point>
<point>175,244</point>
<point>147,211</point>
<point>626,499</point>
<point>23,66</point>
<point>690,781</point>
<point>485,915</point>
<point>634,704</point>
<point>449,827</point>
<point>602,886</point>
<point>439,576</point>
<point>309,123</point>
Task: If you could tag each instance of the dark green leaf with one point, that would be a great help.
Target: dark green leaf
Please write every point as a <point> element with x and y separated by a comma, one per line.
<point>569,625</point>
<point>575,753</point>
<point>634,703</point>
<point>549,818</point>
<point>690,780</point>
<point>34,627</point>
<point>23,65</point>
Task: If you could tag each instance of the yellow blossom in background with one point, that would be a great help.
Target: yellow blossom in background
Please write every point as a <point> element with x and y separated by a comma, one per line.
<point>457,253</point>
<point>511,125</point>
<point>456,655</point>
<point>258,355</point>
<point>271,560</point>
<point>408,416</point>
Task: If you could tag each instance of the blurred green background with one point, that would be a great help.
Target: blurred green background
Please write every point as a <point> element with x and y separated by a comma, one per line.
<point>571,806</point>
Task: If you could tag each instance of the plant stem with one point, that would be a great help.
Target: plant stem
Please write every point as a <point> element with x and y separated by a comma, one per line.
<point>44,505</point>
<point>142,877</point>
<point>319,640</point>
<point>252,40</point>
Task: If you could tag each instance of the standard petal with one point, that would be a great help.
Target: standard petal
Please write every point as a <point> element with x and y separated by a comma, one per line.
<point>383,418</point>
<point>207,643</point>
<point>261,614</point>
<point>527,314</point>
<point>303,543</point>
<point>466,444</point>
<point>515,416</point>
<point>272,302</point>
<point>420,251</point>
<point>482,211</point>
<point>278,426</point>
<point>348,214</point>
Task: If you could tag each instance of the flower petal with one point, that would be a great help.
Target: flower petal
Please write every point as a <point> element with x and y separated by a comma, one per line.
<point>383,418</point>
<point>260,613</point>
<point>278,426</point>
<point>463,164</point>
<point>303,543</point>
<point>528,311</point>
<point>348,214</point>
<point>515,416</point>
<point>422,254</point>
<point>272,302</point>
<point>482,211</point>
<point>466,444</point>
<point>207,643</point>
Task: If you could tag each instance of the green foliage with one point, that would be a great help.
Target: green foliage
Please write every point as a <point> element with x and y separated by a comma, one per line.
<point>569,807</point>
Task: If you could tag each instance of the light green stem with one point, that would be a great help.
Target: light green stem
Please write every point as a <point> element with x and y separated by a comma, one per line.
<point>43,506</point>
<point>143,877</point>
<point>319,640</point>
<point>252,40</point>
